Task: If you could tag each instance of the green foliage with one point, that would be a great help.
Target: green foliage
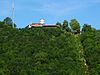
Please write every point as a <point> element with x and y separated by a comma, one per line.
<point>75,26</point>
<point>40,52</point>
<point>91,45</point>
<point>58,23</point>
<point>65,26</point>
<point>49,51</point>
<point>3,25</point>
<point>87,27</point>
<point>7,23</point>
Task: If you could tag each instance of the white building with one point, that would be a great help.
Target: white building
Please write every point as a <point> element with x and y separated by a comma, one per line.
<point>41,23</point>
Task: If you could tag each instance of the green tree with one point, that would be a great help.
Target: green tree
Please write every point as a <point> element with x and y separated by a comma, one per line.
<point>86,27</point>
<point>8,21</point>
<point>59,24</point>
<point>65,26</point>
<point>91,46</point>
<point>75,26</point>
<point>3,25</point>
<point>43,51</point>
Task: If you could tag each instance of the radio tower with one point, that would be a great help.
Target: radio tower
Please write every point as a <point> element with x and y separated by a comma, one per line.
<point>13,12</point>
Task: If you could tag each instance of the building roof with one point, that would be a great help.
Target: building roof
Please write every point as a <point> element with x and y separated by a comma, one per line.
<point>36,24</point>
<point>42,24</point>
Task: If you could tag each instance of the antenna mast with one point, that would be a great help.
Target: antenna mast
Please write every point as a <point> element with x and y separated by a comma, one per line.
<point>13,12</point>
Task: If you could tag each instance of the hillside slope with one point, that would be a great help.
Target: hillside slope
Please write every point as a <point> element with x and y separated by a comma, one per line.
<point>91,46</point>
<point>40,52</point>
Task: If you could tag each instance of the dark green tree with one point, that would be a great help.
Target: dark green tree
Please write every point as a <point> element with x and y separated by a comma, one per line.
<point>8,21</point>
<point>59,24</point>
<point>86,27</point>
<point>3,25</point>
<point>65,26</point>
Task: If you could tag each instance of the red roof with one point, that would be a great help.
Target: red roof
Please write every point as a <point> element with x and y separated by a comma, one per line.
<point>36,24</point>
<point>39,24</point>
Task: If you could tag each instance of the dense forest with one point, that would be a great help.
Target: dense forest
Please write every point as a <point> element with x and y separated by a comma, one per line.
<point>65,50</point>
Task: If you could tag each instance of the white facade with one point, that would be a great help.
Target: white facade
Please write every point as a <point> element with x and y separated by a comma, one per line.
<point>42,21</point>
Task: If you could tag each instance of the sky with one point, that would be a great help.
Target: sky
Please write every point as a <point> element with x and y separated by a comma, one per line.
<point>28,11</point>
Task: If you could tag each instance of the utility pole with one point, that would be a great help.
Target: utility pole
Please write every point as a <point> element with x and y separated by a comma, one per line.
<point>13,12</point>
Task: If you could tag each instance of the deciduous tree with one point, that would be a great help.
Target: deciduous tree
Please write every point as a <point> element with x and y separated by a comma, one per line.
<point>75,26</point>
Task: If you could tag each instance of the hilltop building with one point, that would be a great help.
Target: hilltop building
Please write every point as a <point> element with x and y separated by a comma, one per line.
<point>41,23</point>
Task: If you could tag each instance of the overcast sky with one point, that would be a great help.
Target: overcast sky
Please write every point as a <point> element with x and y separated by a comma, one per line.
<point>27,11</point>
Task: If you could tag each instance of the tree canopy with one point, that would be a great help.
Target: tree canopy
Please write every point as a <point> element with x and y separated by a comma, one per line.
<point>7,22</point>
<point>49,51</point>
<point>75,26</point>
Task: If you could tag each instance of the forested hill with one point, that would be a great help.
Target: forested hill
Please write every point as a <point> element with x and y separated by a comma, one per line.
<point>49,51</point>
<point>40,52</point>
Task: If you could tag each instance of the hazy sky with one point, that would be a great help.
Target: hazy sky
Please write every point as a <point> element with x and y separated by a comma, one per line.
<point>27,11</point>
